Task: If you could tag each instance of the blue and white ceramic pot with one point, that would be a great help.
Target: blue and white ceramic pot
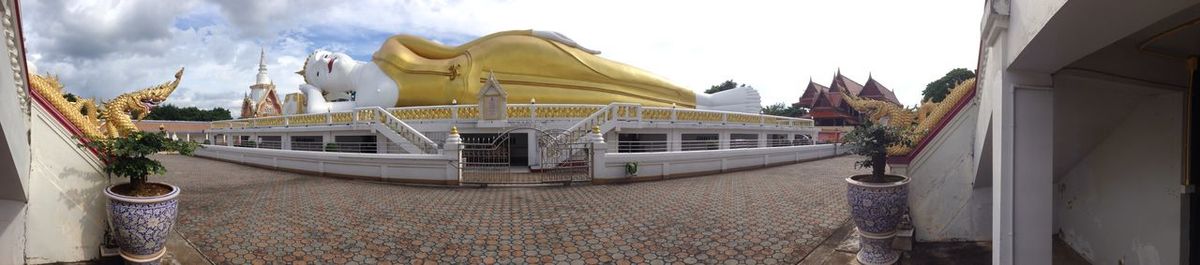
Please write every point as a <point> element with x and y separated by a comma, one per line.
<point>877,207</point>
<point>876,251</point>
<point>141,224</point>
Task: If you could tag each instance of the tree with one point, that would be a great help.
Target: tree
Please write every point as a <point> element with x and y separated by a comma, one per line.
<point>938,89</point>
<point>70,97</point>
<point>173,113</point>
<point>727,85</point>
<point>781,109</point>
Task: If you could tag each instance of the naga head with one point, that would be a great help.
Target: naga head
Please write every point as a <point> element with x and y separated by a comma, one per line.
<point>148,99</point>
<point>329,71</point>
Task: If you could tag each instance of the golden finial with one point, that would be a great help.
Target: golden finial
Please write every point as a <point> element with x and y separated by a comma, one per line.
<point>162,128</point>
<point>596,129</point>
<point>453,130</point>
<point>532,101</point>
<point>454,101</point>
<point>672,105</point>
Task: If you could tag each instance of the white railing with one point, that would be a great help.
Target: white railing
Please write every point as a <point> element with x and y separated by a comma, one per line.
<point>400,127</point>
<point>588,116</point>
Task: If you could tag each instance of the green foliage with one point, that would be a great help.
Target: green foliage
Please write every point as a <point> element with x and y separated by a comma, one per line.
<point>871,140</point>
<point>331,147</point>
<point>70,97</point>
<point>781,109</point>
<point>727,85</point>
<point>170,112</point>
<point>938,89</point>
<point>127,155</point>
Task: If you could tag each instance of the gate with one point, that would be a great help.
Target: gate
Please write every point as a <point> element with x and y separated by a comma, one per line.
<point>488,160</point>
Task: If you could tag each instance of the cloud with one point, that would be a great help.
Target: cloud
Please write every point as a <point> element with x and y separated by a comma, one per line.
<point>105,48</point>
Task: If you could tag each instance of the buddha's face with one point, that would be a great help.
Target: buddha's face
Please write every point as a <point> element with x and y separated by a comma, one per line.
<point>329,71</point>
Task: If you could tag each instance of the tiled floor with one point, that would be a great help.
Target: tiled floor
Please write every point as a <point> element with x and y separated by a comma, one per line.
<point>241,215</point>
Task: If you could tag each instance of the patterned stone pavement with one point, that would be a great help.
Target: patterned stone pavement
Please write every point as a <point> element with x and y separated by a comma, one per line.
<point>237,214</point>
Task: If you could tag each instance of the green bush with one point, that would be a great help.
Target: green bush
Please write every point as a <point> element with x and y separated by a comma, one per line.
<point>127,155</point>
<point>871,141</point>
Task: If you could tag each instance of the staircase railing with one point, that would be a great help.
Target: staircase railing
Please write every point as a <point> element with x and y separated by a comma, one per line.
<point>390,121</point>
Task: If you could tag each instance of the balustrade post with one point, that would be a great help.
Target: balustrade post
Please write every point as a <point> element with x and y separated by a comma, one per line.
<point>452,150</point>
<point>328,118</point>
<point>673,113</point>
<point>599,149</point>
<point>532,110</point>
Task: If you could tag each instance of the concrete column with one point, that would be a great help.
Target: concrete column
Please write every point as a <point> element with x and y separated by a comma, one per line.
<point>1023,137</point>
<point>285,141</point>
<point>723,139</point>
<point>674,141</point>
<point>381,143</point>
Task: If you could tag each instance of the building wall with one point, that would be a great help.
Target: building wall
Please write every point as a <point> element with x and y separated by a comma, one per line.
<point>66,217</point>
<point>945,202</point>
<point>1030,16</point>
<point>1121,202</point>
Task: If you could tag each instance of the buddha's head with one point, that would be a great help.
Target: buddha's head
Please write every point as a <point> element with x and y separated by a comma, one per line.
<point>329,71</point>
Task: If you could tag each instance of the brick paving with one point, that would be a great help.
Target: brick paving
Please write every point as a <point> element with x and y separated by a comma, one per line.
<point>237,214</point>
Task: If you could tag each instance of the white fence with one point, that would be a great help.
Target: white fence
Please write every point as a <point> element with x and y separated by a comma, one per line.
<point>409,168</point>
<point>692,163</point>
<point>443,169</point>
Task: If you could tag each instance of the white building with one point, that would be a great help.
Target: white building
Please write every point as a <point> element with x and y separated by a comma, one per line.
<point>1076,133</point>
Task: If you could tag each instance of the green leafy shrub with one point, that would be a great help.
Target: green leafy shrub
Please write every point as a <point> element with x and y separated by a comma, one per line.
<point>871,141</point>
<point>127,156</point>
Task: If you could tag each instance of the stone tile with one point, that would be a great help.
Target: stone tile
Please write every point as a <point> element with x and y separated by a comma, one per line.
<point>239,214</point>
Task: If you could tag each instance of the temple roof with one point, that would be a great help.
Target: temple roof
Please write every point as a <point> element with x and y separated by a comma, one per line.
<point>811,92</point>
<point>842,83</point>
<point>888,94</point>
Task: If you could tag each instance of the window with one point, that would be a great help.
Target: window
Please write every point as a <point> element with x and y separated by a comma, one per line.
<point>743,140</point>
<point>641,142</point>
<point>307,143</point>
<point>802,139</point>
<point>775,140</point>
<point>700,141</point>
<point>355,143</point>
<point>270,142</point>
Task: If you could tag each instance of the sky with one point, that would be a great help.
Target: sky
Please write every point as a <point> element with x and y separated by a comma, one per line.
<point>105,48</point>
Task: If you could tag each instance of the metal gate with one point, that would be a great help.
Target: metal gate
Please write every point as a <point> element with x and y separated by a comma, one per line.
<point>488,160</point>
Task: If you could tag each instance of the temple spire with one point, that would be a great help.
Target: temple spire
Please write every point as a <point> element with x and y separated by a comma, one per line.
<point>262,77</point>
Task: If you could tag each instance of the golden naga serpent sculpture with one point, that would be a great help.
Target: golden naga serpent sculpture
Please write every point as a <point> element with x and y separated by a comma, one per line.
<point>917,122</point>
<point>116,112</point>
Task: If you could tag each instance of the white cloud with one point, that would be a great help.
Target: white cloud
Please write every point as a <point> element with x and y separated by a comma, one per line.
<point>103,48</point>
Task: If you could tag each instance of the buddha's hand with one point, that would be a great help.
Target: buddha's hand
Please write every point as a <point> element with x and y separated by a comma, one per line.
<point>314,101</point>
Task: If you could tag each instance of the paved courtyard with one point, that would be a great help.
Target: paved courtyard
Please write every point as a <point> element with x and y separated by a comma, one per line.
<point>237,214</point>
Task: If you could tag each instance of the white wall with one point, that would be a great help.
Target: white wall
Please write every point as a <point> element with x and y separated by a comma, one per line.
<point>12,232</point>
<point>66,218</point>
<point>385,166</point>
<point>691,162</point>
<point>1121,202</point>
<point>945,201</point>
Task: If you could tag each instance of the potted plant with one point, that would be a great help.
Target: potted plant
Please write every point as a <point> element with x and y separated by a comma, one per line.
<point>141,213</point>
<point>877,200</point>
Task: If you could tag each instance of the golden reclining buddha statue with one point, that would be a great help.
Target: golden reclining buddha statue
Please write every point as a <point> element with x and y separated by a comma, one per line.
<point>542,65</point>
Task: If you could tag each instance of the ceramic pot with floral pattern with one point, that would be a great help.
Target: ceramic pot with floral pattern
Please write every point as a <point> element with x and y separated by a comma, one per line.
<point>877,207</point>
<point>141,225</point>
